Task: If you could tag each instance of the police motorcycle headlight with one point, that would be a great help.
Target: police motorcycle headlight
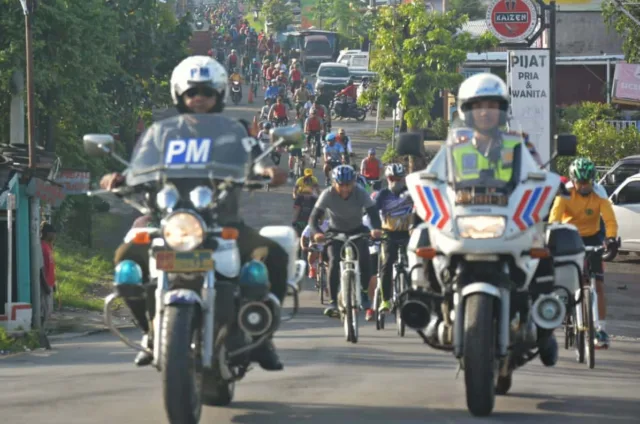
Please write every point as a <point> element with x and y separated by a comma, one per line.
<point>183,231</point>
<point>167,198</point>
<point>481,227</point>
<point>201,197</point>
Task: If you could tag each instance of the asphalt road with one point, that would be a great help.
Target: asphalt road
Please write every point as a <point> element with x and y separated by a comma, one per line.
<point>382,379</point>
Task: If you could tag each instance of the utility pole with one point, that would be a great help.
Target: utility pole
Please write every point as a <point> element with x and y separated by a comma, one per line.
<point>27,8</point>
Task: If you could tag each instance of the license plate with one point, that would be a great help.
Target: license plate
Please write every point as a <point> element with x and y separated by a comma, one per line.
<point>194,261</point>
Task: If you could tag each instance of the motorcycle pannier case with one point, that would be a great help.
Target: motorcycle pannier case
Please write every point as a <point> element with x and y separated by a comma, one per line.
<point>567,249</point>
<point>287,238</point>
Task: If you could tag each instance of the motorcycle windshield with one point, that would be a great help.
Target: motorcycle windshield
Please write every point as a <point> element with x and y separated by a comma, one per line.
<point>190,147</point>
<point>482,155</point>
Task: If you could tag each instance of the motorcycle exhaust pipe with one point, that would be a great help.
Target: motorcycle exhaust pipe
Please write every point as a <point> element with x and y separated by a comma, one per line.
<point>548,312</point>
<point>415,314</point>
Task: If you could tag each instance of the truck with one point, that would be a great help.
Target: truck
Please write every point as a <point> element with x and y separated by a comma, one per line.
<point>314,47</point>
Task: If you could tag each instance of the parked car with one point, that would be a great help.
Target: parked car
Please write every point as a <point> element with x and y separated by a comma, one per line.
<point>626,206</point>
<point>618,173</point>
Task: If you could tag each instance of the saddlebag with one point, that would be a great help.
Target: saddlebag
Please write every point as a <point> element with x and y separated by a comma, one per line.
<point>567,250</point>
<point>287,238</point>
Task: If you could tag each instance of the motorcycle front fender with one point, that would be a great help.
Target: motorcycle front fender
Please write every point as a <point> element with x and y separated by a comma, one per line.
<point>182,297</point>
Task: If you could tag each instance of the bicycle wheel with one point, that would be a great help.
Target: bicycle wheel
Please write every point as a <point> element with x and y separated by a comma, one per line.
<point>322,279</point>
<point>347,299</point>
<point>402,286</point>
<point>589,325</point>
<point>354,311</point>
<point>579,330</point>
<point>377,299</point>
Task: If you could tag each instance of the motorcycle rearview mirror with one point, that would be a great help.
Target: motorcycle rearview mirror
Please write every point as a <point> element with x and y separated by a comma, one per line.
<point>286,135</point>
<point>97,145</point>
<point>566,145</point>
<point>410,144</point>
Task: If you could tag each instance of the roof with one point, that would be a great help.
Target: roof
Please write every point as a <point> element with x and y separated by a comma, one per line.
<point>500,59</point>
<point>334,64</point>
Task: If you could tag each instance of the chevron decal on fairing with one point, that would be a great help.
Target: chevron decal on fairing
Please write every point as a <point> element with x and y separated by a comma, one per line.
<point>431,200</point>
<point>528,210</point>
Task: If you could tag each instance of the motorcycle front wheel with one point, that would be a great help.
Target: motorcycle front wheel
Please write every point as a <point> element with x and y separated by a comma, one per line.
<point>479,353</point>
<point>181,364</point>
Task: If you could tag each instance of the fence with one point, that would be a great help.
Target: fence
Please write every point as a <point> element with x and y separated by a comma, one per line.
<point>621,124</point>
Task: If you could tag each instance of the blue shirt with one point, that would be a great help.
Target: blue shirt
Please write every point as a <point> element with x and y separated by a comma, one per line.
<point>335,152</point>
<point>272,92</point>
<point>310,88</point>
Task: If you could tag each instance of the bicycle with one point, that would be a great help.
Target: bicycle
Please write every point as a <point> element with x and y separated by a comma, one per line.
<point>349,299</point>
<point>322,273</point>
<point>400,285</point>
<point>579,326</point>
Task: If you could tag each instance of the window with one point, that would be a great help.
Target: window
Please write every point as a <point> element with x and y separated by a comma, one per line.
<point>630,193</point>
<point>318,48</point>
<point>359,62</point>
<point>624,171</point>
<point>333,72</point>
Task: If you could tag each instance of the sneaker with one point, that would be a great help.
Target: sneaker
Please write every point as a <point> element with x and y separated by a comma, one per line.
<point>331,310</point>
<point>602,340</point>
<point>312,272</point>
<point>368,316</point>
<point>143,359</point>
<point>385,306</point>
<point>267,357</point>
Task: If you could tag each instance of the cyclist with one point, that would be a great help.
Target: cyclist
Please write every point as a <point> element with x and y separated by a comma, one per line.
<point>279,113</point>
<point>395,209</point>
<point>302,208</point>
<point>370,167</point>
<point>343,139</point>
<point>306,243</point>
<point>375,264</point>
<point>343,203</point>
<point>313,128</point>
<point>333,156</point>
<point>307,184</point>
<point>584,208</point>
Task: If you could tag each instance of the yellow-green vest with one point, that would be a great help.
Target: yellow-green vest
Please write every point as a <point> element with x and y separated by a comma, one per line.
<point>469,161</point>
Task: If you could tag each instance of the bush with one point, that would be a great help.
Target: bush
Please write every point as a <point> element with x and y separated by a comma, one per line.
<point>597,139</point>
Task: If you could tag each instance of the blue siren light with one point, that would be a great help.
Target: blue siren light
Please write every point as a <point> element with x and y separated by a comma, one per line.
<point>127,272</point>
<point>254,273</point>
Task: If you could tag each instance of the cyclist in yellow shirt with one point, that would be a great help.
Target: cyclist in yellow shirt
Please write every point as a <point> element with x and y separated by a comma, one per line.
<point>584,208</point>
<point>307,184</point>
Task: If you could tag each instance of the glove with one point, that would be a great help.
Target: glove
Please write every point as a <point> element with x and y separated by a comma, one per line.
<point>611,243</point>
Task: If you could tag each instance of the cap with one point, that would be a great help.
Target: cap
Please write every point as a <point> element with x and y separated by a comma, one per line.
<point>308,172</point>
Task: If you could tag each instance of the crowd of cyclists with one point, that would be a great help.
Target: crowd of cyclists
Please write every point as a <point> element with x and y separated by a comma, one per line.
<point>353,201</point>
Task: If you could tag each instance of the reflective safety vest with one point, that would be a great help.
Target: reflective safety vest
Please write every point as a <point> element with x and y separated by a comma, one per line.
<point>469,161</point>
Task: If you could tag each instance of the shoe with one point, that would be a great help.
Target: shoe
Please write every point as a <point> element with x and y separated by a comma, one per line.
<point>312,272</point>
<point>267,357</point>
<point>549,351</point>
<point>602,340</point>
<point>143,359</point>
<point>385,306</point>
<point>332,310</point>
<point>368,316</point>
<point>364,300</point>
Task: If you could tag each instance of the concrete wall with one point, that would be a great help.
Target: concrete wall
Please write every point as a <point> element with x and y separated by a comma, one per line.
<point>585,33</point>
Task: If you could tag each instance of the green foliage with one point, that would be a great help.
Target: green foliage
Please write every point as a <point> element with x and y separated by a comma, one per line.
<point>474,9</point>
<point>418,53</point>
<point>618,21</point>
<point>597,139</point>
<point>98,65</point>
<point>390,154</point>
<point>440,129</point>
<point>278,14</point>
<point>19,342</point>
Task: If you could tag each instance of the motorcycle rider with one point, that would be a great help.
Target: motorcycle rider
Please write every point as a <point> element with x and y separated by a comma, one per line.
<point>343,203</point>
<point>483,103</point>
<point>198,86</point>
<point>232,60</point>
<point>395,209</point>
<point>236,78</point>
<point>584,208</point>
<point>350,92</point>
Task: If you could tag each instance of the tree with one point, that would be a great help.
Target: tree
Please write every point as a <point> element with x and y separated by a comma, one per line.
<point>474,9</point>
<point>277,14</point>
<point>418,53</point>
<point>626,22</point>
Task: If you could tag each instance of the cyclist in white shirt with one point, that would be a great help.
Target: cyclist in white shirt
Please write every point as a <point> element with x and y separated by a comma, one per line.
<point>306,241</point>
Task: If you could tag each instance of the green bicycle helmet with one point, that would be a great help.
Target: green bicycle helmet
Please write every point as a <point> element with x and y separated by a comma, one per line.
<point>582,169</point>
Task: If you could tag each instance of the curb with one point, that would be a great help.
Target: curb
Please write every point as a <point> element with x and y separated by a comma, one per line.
<point>71,335</point>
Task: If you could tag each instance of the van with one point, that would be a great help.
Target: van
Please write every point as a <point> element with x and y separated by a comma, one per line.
<point>316,50</point>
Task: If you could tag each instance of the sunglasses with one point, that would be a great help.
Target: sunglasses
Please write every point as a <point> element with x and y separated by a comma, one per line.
<point>202,91</point>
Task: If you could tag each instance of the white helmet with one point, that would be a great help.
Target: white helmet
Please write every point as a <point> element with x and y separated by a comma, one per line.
<point>198,70</point>
<point>394,170</point>
<point>484,86</point>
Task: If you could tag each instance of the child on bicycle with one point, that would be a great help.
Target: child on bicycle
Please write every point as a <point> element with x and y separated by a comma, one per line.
<point>584,208</point>
<point>343,203</point>
<point>313,249</point>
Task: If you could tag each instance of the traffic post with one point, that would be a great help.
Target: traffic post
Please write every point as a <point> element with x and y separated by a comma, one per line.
<point>530,72</point>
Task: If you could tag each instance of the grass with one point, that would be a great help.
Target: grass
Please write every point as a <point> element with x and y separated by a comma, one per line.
<point>257,24</point>
<point>81,275</point>
<point>385,134</point>
<point>18,343</point>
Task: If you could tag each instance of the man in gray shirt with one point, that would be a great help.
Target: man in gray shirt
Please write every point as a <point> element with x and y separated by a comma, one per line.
<point>344,203</point>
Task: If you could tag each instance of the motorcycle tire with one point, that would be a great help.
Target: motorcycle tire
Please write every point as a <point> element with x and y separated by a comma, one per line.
<point>182,374</point>
<point>360,114</point>
<point>479,353</point>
